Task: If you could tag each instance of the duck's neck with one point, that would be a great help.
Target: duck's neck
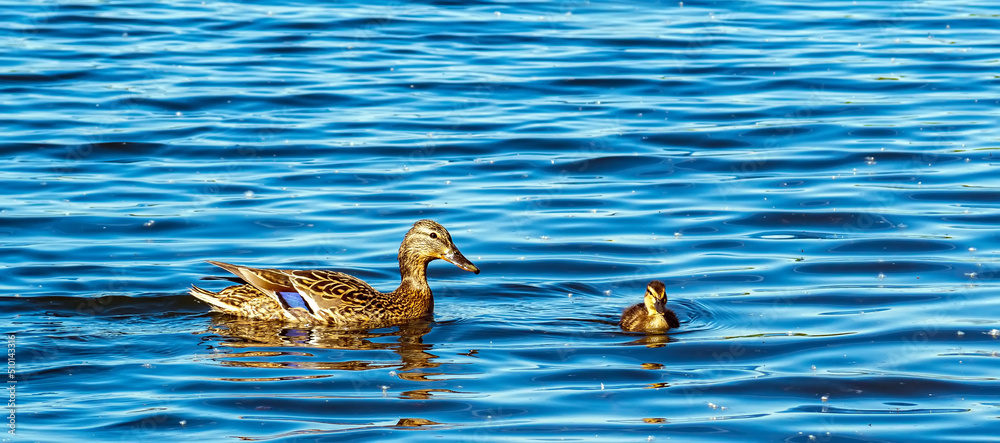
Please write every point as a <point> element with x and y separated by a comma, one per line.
<point>413,280</point>
<point>651,307</point>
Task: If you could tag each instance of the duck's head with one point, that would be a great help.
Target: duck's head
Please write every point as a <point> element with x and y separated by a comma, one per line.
<point>427,240</point>
<point>656,298</point>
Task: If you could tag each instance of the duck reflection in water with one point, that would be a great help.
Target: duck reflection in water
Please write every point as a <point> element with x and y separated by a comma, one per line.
<point>414,358</point>
<point>652,341</point>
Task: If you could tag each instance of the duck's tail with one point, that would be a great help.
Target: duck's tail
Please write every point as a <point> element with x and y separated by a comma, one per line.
<point>212,298</point>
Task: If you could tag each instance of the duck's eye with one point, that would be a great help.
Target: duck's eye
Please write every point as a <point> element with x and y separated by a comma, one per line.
<point>434,235</point>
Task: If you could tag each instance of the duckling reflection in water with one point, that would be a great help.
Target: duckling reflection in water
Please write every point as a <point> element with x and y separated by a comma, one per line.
<point>652,315</point>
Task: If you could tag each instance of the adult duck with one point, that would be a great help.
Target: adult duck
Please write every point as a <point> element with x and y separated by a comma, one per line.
<point>335,298</point>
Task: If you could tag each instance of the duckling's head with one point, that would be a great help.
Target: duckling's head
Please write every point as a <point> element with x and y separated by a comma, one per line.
<point>656,298</point>
<point>427,240</point>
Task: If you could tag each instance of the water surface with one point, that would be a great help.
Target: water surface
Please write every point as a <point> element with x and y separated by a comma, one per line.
<point>815,184</point>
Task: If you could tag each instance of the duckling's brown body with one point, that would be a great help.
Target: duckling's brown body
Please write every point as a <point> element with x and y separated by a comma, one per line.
<point>329,297</point>
<point>652,315</point>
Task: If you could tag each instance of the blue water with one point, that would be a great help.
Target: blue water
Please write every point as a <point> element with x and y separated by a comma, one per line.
<point>816,184</point>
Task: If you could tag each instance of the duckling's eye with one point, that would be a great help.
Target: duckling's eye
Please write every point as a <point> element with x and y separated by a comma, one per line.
<point>434,235</point>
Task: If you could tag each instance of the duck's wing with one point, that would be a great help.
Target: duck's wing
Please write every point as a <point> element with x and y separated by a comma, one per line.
<point>275,286</point>
<point>327,295</point>
<point>269,281</point>
<point>632,317</point>
<point>331,295</point>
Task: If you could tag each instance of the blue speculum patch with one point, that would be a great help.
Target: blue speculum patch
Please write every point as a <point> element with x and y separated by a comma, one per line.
<point>293,300</point>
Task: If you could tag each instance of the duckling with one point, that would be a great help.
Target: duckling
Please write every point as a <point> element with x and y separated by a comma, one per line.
<point>335,298</point>
<point>652,315</point>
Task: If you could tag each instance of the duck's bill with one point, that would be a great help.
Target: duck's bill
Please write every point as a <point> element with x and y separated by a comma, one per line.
<point>661,308</point>
<point>456,258</point>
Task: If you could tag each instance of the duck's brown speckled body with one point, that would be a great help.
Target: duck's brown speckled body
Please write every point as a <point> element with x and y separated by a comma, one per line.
<point>335,298</point>
<point>652,315</point>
